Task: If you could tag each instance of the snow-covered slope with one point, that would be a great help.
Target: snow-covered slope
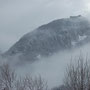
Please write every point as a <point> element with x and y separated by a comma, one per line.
<point>50,38</point>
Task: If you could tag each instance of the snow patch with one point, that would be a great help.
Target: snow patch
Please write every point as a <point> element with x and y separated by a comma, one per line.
<point>82,37</point>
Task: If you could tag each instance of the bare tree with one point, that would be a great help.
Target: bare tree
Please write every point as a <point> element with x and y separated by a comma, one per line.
<point>78,75</point>
<point>9,81</point>
<point>29,83</point>
<point>20,85</point>
<point>7,77</point>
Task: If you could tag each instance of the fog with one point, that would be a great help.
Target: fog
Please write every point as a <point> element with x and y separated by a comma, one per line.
<point>52,69</point>
<point>18,17</point>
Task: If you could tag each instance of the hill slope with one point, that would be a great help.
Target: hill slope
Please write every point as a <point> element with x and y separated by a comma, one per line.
<point>50,38</point>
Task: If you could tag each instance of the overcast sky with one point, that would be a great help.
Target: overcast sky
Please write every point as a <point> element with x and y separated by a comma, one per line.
<point>18,17</point>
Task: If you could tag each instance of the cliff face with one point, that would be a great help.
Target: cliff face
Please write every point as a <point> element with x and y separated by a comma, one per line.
<point>52,37</point>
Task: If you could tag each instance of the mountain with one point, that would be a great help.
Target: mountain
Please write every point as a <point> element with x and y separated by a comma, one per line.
<point>50,38</point>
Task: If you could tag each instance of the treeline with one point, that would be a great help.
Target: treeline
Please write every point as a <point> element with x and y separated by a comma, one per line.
<point>77,77</point>
<point>10,81</point>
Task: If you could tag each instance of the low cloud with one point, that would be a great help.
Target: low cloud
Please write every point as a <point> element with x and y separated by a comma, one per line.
<point>52,69</point>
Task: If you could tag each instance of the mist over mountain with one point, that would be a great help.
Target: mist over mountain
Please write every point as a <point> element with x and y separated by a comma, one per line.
<point>51,46</point>
<point>40,39</point>
<point>50,38</point>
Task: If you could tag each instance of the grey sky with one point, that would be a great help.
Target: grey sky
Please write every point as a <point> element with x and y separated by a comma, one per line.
<point>18,17</point>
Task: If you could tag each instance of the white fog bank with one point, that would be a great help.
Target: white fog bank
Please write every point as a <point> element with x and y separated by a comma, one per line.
<point>52,69</point>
